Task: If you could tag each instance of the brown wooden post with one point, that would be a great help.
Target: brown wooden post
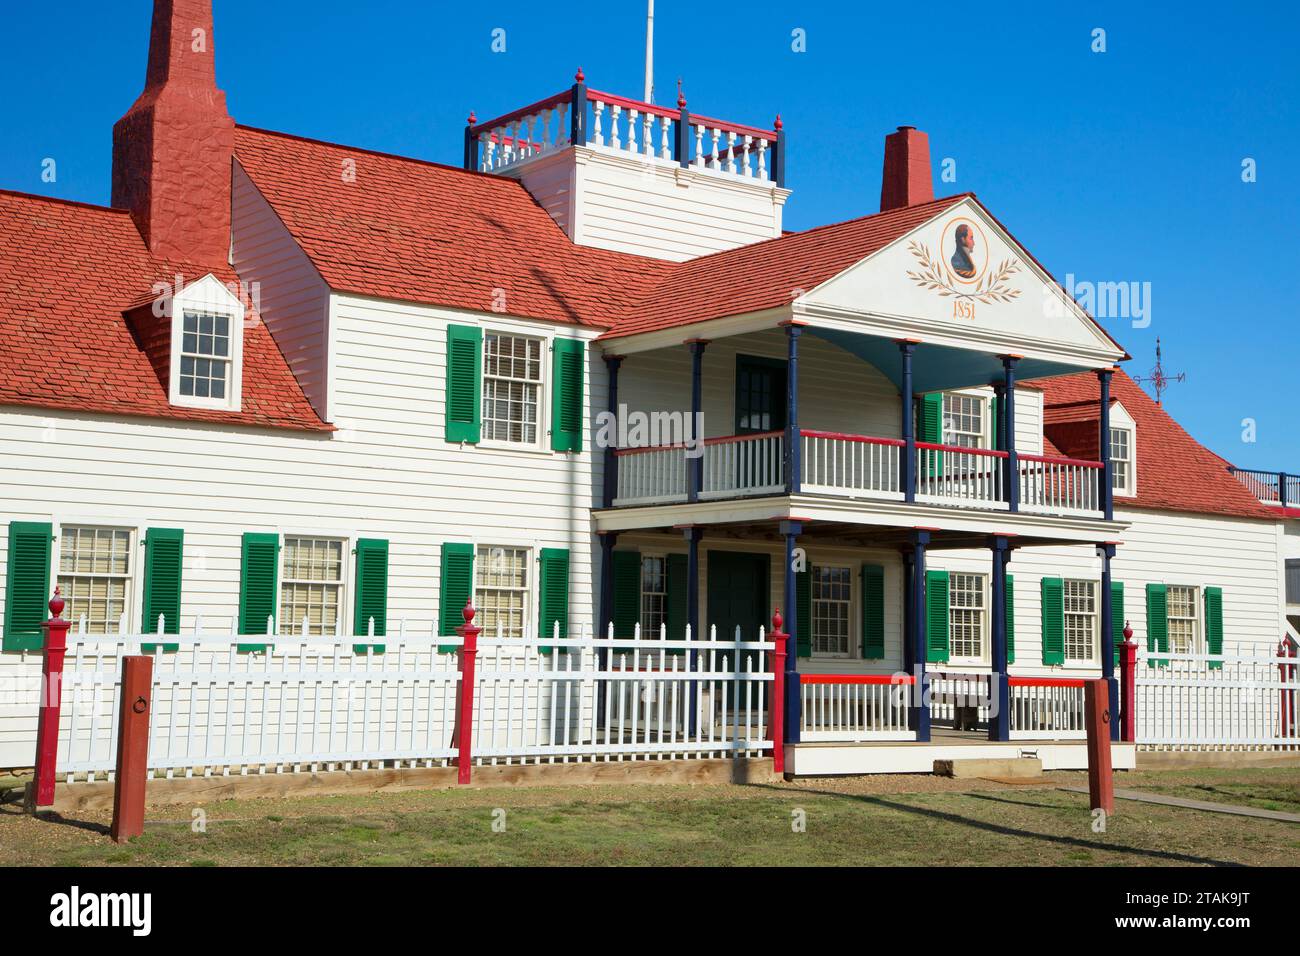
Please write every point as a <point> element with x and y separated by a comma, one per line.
<point>47,726</point>
<point>468,651</point>
<point>1101,783</point>
<point>776,706</point>
<point>132,748</point>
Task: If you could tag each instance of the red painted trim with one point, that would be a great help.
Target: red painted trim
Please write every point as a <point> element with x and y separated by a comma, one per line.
<point>841,436</point>
<point>725,127</point>
<point>885,679</point>
<point>958,450</point>
<point>612,99</point>
<point>519,113</point>
<point>1046,460</point>
<point>1046,682</point>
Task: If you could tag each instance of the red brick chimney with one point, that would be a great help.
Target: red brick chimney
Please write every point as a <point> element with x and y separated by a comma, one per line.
<point>906,181</point>
<point>172,151</point>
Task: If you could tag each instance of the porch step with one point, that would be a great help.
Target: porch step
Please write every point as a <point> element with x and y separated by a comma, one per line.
<point>990,767</point>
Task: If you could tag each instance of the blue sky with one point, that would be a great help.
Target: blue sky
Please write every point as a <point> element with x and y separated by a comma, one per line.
<point>1117,166</point>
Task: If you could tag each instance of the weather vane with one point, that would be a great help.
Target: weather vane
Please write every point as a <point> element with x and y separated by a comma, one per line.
<point>1158,378</point>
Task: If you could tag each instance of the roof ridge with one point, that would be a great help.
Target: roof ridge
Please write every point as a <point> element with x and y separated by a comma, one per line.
<point>378,152</point>
<point>64,202</point>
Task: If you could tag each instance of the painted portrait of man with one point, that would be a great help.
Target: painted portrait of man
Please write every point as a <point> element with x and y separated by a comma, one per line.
<point>962,260</point>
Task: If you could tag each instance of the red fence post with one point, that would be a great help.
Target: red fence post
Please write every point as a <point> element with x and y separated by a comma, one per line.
<point>468,651</point>
<point>1128,685</point>
<point>132,748</point>
<point>1101,782</point>
<point>47,728</point>
<point>776,702</point>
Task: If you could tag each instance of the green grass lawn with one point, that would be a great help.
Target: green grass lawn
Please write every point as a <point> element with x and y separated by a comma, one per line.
<point>911,820</point>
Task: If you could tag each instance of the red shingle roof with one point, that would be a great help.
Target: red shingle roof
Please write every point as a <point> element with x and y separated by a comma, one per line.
<point>764,275</point>
<point>66,273</point>
<point>1174,471</point>
<point>424,232</point>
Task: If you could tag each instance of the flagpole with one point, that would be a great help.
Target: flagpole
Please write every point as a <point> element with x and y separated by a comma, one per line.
<point>650,53</point>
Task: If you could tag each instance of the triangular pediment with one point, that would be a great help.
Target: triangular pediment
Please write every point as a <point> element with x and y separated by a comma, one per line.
<point>961,278</point>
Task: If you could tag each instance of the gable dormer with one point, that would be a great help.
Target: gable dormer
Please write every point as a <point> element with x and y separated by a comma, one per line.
<point>194,337</point>
<point>636,177</point>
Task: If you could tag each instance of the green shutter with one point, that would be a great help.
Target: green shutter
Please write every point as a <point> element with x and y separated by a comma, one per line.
<point>163,548</point>
<point>27,585</point>
<point>803,612</point>
<point>627,593</point>
<point>456,588</point>
<point>554,598</point>
<point>931,427</point>
<point>873,612</point>
<point>258,569</point>
<point>936,617</point>
<point>371,596</point>
<point>1158,620</point>
<point>1214,624</point>
<point>464,383</point>
<point>677,583</point>
<point>1117,616</point>
<point>1011,619</point>
<point>995,409</point>
<point>569,358</point>
<point>1053,608</point>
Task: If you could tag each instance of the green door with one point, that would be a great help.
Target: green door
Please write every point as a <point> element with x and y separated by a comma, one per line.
<point>737,594</point>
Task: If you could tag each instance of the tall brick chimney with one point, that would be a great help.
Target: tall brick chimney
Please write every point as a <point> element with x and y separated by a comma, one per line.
<point>173,149</point>
<point>906,181</point>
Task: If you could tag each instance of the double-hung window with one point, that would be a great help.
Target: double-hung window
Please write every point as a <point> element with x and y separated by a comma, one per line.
<point>512,388</point>
<point>95,569</point>
<point>501,583</point>
<point>963,420</point>
<point>1080,604</point>
<point>205,355</point>
<point>967,616</point>
<point>1184,618</point>
<point>311,585</point>
<point>654,595</point>
<point>832,594</point>
<point>1121,460</point>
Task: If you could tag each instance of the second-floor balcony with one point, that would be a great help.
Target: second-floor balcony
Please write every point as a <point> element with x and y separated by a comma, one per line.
<point>857,466</point>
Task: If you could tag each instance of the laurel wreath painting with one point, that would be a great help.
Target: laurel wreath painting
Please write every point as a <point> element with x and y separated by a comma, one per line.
<point>992,288</point>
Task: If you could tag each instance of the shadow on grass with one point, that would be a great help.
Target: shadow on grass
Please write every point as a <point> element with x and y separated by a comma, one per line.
<point>1001,830</point>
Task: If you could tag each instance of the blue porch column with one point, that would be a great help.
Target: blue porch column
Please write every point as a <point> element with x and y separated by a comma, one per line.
<point>693,535</point>
<point>1106,552</point>
<point>1105,490</point>
<point>1011,463</point>
<point>1000,698</point>
<point>907,466</point>
<point>695,466</point>
<point>920,709</point>
<point>793,439</point>
<point>612,364</point>
<point>791,530</point>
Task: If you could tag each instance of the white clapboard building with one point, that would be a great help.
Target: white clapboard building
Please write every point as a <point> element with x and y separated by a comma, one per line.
<point>285,388</point>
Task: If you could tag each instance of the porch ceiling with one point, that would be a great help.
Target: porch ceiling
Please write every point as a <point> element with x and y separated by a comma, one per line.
<point>936,367</point>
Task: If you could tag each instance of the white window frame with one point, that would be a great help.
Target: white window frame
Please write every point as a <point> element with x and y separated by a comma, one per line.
<point>984,402</point>
<point>985,612</point>
<point>542,444</point>
<point>208,295</point>
<point>652,633</point>
<point>850,605</point>
<point>133,595</point>
<point>347,543</point>
<point>1197,619</point>
<point>1121,421</point>
<point>530,591</point>
<point>1095,616</point>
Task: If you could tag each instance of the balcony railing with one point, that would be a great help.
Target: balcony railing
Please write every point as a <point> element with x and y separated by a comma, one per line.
<point>1270,487</point>
<point>615,124</point>
<point>855,466</point>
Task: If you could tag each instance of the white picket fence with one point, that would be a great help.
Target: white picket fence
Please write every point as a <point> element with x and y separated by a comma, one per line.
<point>322,703</point>
<point>1215,702</point>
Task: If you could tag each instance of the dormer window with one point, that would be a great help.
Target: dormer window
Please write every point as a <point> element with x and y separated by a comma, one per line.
<point>205,355</point>
<point>1123,452</point>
